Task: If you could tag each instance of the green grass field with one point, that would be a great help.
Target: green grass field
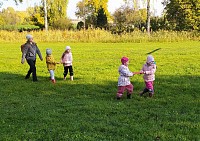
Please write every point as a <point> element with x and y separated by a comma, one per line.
<point>86,108</point>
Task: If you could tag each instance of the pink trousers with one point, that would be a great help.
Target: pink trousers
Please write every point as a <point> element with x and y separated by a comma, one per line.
<point>149,85</point>
<point>121,90</point>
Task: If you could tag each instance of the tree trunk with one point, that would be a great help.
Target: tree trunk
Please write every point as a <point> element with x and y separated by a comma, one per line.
<point>148,16</point>
<point>45,15</point>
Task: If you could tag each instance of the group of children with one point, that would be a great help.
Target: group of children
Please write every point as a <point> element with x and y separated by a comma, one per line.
<point>148,70</point>
<point>66,60</point>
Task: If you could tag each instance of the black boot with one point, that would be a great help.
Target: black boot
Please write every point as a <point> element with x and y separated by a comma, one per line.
<point>128,96</point>
<point>144,91</point>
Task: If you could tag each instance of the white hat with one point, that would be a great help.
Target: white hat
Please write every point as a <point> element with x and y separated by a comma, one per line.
<point>29,36</point>
<point>67,48</point>
<point>150,59</point>
<point>48,51</point>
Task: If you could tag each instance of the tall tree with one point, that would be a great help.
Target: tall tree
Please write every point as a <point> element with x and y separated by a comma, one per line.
<point>148,6</point>
<point>89,10</point>
<point>45,15</point>
<point>56,9</point>
<point>183,14</point>
<point>98,4</point>
<point>101,18</point>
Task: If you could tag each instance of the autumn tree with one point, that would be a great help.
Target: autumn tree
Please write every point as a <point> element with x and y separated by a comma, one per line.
<point>91,10</point>
<point>183,14</point>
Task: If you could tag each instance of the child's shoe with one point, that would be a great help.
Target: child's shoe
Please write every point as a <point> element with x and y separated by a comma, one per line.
<point>53,81</point>
<point>151,92</point>
<point>118,98</point>
<point>64,78</point>
<point>144,91</point>
<point>71,78</point>
<point>128,96</point>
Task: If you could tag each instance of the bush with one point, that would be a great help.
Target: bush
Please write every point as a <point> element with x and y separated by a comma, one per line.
<point>19,28</point>
<point>62,24</point>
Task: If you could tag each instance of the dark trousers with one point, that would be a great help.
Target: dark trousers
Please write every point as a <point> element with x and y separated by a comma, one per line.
<point>66,69</point>
<point>32,69</point>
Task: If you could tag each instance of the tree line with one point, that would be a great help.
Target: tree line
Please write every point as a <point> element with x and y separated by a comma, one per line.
<point>179,15</point>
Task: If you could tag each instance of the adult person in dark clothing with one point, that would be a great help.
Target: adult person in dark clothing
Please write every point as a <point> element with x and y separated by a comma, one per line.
<point>29,52</point>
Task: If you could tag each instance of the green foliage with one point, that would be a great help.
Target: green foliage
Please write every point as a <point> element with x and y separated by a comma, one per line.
<point>126,17</point>
<point>183,14</point>
<point>9,16</point>
<point>101,19</point>
<point>56,10</point>
<point>86,108</point>
<point>93,12</point>
<point>19,27</point>
<point>62,24</point>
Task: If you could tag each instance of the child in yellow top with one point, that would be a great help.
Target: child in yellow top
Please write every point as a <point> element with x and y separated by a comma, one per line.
<point>51,64</point>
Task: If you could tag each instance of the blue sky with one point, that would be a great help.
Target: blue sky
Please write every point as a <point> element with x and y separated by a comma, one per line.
<point>112,6</point>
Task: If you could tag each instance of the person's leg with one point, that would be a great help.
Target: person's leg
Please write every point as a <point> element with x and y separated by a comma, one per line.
<point>65,72</point>
<point>32,70</point>
<point>149,87</point>
<point>129,91</point>
<point>71,72</point>
<point>144,91</point>
<point>52,76</point>
<point>120,91</point>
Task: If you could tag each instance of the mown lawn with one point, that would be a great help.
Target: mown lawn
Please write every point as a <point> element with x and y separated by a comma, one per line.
<point>86,109</point>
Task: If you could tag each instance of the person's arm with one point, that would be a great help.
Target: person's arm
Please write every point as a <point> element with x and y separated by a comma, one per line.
<point>142,70</point>
<point>24,52</point>
<point>61,59</point>
<point>126,72</point>
<point>38,52</point>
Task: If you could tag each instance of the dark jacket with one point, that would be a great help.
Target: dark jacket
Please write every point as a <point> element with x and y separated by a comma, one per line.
<point>30,50</point>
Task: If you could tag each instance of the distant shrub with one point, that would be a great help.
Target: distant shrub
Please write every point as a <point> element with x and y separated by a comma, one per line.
<point>62,24</point>
<point>19,28</point>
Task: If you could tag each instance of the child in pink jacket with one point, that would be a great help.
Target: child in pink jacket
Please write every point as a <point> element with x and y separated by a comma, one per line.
<point>66,60</point>
<point>124,79</point>
<point>149,69</point>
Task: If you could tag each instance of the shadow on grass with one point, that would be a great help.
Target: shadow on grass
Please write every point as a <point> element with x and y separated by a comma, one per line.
<point>17,85</point>
<point>170,85</point>
<point>153,51</point>
<point>79,111</point>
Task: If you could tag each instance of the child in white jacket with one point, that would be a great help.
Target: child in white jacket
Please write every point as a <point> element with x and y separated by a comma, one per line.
<point>149,69</point>
<point>124,79</point>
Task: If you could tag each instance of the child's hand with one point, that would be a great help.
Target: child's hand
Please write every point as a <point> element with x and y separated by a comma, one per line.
<point>141,72</point>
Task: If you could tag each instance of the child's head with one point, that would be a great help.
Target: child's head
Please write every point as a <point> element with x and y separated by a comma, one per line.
<point>67,49</point>
<point>125,61</point>
<point>29,37</point>
<point>48,51</point>
<point>150,59</point>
